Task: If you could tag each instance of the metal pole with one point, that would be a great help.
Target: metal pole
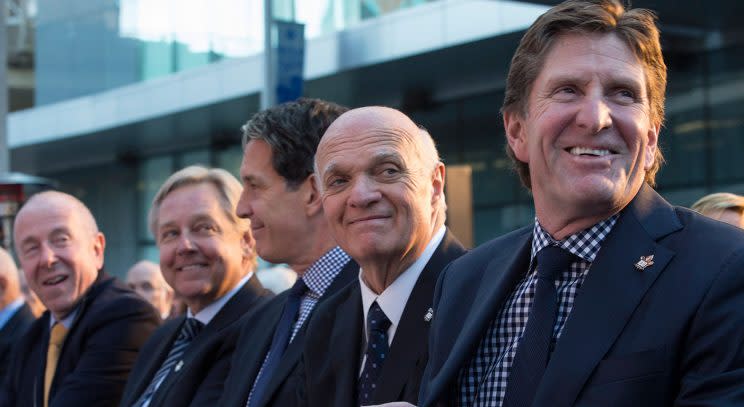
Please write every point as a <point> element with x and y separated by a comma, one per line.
<point>268,96</point>
<point>4,154</point>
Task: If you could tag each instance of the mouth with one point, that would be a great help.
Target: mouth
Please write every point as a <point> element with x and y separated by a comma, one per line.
<point>54,280</point>
<point>368,218</point>
<point>192,267</point>
<point>590,152</point>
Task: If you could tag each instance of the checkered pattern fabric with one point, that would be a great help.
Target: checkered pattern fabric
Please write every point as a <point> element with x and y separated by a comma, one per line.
<point>483,381</point>
<point>318,277</point>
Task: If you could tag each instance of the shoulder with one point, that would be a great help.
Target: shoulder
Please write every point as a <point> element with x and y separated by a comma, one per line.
<point>475,261</point>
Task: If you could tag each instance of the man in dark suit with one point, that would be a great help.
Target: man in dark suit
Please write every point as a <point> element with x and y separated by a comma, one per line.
<point>382,186</point>
<point>612,297</point>
<point>81,350</point>
<point>207,256</point>
<point>15,315</point>
<point>281,200</point>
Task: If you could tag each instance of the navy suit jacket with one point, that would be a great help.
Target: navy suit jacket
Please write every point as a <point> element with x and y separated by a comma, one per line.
<point>12,330</point>
<point>333,345</point>
<point>111,325</point>
<point>199,380</point>
<point>671,334</point>
<point>254,342</point>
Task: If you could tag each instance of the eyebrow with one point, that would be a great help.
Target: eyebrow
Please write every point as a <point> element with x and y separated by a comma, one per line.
<point>334,168</point>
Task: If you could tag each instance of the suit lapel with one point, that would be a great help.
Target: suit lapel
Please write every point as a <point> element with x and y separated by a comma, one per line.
<point>501,276</point>
<point>610,294</point>
<point>344,348</point>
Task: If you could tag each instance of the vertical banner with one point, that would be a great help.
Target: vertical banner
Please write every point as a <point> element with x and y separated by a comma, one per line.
<point>290,59</point>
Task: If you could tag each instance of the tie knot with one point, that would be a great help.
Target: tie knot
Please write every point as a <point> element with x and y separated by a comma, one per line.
<point>552,261</point>
<point>376,319</point>
<point>191,327</point>
<point>298,288</point>
<point>57,336</point>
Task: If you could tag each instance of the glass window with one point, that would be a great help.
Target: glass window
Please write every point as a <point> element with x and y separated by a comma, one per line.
<point>152,173</point>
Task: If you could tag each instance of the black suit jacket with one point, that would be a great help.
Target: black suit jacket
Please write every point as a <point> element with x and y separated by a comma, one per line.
<point>12,330</point>
<point>111,325</point>
<point>198,382</point>
<point>254,342</point>
<point>671,334</point>
<point>333,345</point>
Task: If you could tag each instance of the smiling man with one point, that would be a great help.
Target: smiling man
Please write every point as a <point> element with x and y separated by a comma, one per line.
<point>207,256</point>
<point>612,297</point>
<point>81,350</point>
<point>382,187</point>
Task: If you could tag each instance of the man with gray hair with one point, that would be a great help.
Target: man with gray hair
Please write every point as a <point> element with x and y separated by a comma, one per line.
<point>207,256</point>
<point>146,280</point>
<point>382,187</point>
<point>15,314</point>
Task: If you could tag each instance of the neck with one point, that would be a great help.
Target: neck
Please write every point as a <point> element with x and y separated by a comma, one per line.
<point>317,243</point>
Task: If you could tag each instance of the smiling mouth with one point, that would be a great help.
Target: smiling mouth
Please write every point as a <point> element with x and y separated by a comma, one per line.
<point>368,218</point>
<point>589,152</point>
<point>192,267</point>
<point>55,280</point>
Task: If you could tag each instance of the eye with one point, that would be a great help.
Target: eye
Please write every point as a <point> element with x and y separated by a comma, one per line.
<point>565,93</point>
<point>30,248</point>
<point>205,227</point>
<point>335,182</point>
<point>60,240</point>
<point>168,234</point>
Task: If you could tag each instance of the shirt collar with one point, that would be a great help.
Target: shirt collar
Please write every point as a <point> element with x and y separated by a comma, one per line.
<point>66,321</point>
<point>584,244</point>
<point>7,313</point>
<point>393,300</point>
<point>319,276</point>
<point>208,312</point>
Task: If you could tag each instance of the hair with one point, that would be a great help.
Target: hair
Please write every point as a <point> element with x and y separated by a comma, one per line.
<point>228,187</point>
<point>720,201</point>
<point>293,131</point>
<point>636,27</point>
<point>429,157</point>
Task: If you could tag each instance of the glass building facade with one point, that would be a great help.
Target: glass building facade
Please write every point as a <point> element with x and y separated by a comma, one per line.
<point>84,47</point>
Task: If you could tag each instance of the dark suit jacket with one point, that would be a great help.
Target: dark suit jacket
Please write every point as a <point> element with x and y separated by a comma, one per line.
<point>198,381</point>
<point>111,325</point>
<point>333,345</point>
<point>12,330</point>
<point>254,342</point>
<point>672,334</point>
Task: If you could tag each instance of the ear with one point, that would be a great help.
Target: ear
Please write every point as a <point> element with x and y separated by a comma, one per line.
<point>437,183</point>
<point>311,196</point>
<point>652,144</point>
<point>247,244</point>
<point>3,284</point>
<point>99,246</point>
<point>516,136</point>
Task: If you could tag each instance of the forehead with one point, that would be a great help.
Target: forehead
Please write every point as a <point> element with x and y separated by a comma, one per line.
<point>257,155</point>
<point>43,217</point>
<point>189,201</point>
<point>358,145</point>
<point>141,274</point>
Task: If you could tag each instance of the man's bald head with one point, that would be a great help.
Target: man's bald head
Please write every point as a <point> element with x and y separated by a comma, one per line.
<point>146,280</point>
<point>59,248</point>
<point>10,286</point>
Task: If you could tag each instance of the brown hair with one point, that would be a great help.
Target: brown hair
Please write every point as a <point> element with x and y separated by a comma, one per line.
<point>636,27</point>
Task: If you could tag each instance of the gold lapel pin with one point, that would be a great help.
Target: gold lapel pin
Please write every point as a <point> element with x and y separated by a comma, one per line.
<point>645,261</point>
<point>429,315</point>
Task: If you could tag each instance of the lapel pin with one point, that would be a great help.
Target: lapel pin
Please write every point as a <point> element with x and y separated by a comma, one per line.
<point>179,365</point>
<point>645,261</point>
<point>429,315</point>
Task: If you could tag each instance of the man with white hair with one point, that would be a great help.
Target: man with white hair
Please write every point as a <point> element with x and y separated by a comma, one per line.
<point>15,314</point>
<point>146,280</point>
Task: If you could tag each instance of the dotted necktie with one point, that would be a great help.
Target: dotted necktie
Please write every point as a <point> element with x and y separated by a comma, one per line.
<point>56,338</point>
<point>377,349</point>
<point>533,351</point>
<point>190,328</point>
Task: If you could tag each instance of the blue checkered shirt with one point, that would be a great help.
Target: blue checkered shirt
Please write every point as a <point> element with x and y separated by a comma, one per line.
<point>483,381</point>
<point>318,277</point>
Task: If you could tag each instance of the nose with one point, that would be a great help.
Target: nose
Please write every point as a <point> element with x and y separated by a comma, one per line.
<point>185,245</point>
<point>48,257</point>
<point>243,209</point>
<point>364,193</point>
<point>594,114</point>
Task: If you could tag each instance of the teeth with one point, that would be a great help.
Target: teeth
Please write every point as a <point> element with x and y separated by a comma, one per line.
<point>55,280</point>
<point>192,267</point>
<point>589,151</point>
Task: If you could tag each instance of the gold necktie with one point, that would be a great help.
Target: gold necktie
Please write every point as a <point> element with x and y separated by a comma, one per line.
<point>56,338</point>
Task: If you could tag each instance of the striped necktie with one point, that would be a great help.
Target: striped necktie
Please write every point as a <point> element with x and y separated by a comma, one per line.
<point>190,328</point>
<point>56,339</point>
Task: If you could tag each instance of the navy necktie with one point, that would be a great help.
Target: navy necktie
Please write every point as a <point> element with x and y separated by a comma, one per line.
<point>189,329</point>
<point>533,351</point>
<point>377,349</point>
<point>279,342</point>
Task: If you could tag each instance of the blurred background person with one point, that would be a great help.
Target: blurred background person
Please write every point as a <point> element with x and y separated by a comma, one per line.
<point>15,315</point>
<point>277,278</point>
<point>146,280</point>
<point>722,206</point>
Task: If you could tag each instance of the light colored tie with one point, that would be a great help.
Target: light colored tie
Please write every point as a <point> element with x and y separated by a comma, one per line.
<point>56,338</point>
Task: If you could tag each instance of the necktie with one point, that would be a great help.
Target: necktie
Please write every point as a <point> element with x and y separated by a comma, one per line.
<point>279,342</point>
<point>190,328</point>
<point>56,338</point>
<point>533,351</point>
<point>377,348</point>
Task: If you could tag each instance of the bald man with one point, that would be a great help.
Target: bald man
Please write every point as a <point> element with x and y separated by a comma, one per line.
<point>15,314</point>
<point>382,188</point>
<point>146,280</point>
<point>80,351</point>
